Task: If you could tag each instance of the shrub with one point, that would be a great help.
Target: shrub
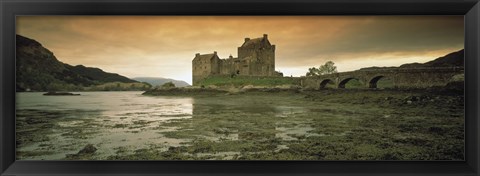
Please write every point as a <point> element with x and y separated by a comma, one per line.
<point>168,85</point>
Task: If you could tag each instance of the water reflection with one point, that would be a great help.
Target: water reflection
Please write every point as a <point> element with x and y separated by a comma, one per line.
<point>123,122</point>
<point>250,112</point>
<point>109,120</point>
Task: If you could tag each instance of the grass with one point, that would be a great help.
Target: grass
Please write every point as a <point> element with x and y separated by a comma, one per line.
<point>239,81</point>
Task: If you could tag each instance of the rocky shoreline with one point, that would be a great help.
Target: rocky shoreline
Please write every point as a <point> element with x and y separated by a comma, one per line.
<point>451,88</point>
<point>214,90</point>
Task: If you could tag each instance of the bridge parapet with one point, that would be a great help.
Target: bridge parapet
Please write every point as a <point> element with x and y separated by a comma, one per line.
<point>420,77</point>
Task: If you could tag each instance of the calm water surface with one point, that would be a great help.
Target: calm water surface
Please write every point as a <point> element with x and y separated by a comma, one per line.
<point>124,121</point>
<point>107,119</point>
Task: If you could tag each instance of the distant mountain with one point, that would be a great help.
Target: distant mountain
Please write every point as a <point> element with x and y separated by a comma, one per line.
<point>455,59</point>
<point>39,70</point>
<point>98,74</point>
<point>157,81</point>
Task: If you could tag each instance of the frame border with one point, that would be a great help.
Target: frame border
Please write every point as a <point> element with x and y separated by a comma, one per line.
<point>12,8</point>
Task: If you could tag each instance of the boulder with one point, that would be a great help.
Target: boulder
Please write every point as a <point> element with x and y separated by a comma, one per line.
<point>88,149</point>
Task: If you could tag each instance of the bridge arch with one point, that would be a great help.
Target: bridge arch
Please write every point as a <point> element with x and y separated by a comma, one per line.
<point>372,83</point>
<point>324,83</point>
<point>342,83</point>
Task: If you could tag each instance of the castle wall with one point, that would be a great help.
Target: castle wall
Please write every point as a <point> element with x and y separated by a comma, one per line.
<point>261,60</point>
<point>203,68</point>
<point>227,66</point>
<point>255,59</point>
<point>199,71</point>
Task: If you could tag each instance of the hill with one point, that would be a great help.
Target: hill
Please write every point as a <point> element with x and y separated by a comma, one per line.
<point>39,70</point>
<point>158,81</point>
<point>454,59</point>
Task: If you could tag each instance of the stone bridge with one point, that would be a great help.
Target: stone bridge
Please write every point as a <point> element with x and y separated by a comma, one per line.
<point>401,77</point>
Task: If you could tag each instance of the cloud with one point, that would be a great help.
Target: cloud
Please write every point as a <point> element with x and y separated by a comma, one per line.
<point>165,45</point>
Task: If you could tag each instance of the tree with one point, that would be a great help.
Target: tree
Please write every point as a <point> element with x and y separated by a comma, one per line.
<point>328,68</point>
<point>312,71</point>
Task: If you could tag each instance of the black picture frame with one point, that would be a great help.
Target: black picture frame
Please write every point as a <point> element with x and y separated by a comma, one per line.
<point>12,8</point>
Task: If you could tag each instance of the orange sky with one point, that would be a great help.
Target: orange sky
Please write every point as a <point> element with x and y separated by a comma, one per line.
<point>164,46</point>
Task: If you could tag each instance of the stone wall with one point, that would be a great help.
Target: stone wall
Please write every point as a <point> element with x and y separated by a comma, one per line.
<point>259,61</point>
<point>402,78</point>
<point>202,68</point>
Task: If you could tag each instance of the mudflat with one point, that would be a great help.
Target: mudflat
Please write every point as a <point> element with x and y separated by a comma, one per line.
<point>282,125</point>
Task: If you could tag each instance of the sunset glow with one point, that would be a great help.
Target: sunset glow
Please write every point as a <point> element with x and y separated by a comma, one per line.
<point>164,46</point>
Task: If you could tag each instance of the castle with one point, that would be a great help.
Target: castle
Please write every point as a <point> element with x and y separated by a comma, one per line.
<point>256,57</point>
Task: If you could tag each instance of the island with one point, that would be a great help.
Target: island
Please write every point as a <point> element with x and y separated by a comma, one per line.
<point>60,94</point>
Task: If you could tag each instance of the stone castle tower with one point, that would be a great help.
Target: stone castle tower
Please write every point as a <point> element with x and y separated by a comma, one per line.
<point>256,57</point>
